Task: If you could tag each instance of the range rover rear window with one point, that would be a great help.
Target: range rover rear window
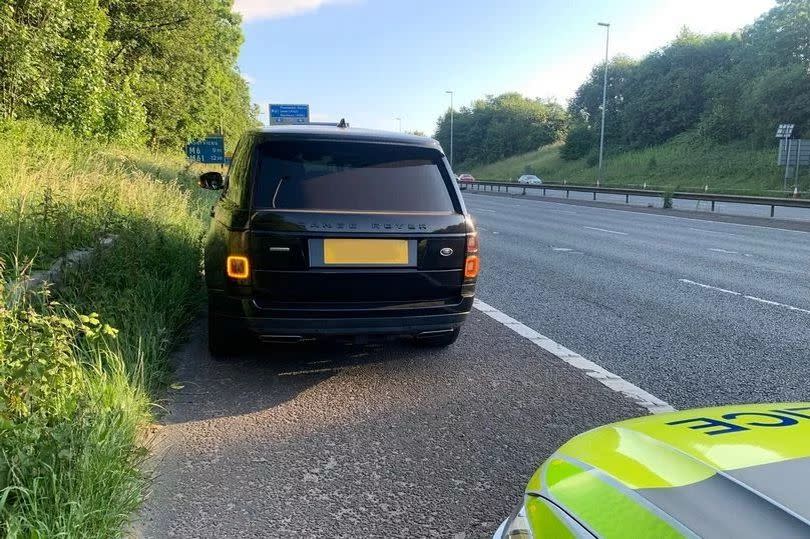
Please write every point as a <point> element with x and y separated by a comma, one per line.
<point>341,176</point>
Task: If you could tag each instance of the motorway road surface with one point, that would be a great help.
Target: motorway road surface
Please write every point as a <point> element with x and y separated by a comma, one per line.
<point>392,441</point>
<point>630,291</point>
<point>328,441</point>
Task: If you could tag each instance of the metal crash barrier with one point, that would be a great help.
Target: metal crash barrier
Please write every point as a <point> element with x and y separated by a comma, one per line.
<point>773,202</point>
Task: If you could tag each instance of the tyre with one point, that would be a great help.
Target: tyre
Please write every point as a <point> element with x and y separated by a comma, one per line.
<point>439,341</point>
<point>225,337</point>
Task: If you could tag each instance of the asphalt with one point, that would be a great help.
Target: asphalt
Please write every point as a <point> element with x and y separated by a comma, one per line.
<point>386,441</point>
<point>398,441</point>
<point>609,284</point>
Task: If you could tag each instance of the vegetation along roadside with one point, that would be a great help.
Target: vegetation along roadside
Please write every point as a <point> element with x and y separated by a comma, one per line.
<point>79,363</point>
<point>97,99</point>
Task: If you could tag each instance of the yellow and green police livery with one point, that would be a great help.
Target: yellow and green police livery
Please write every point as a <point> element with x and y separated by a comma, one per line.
<point>732,471</point>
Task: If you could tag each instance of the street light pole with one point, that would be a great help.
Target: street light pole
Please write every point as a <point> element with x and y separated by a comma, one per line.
<point>601,176</point>
<point>451,92</point>
<point>400,123</point>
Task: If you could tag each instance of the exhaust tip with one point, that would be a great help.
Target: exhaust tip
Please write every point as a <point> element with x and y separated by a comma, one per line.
<point>434,333</point>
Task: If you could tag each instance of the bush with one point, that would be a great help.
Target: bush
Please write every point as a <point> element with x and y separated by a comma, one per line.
<point>580,141</point>
<point>39,373</point>
<point>75,391</point>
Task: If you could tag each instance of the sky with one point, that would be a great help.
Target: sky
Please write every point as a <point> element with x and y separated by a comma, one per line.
<point>372,61</point>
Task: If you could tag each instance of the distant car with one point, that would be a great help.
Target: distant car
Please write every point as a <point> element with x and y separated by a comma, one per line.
<point>464,179</point>
<point>530,179</point>
<point>731,471</point>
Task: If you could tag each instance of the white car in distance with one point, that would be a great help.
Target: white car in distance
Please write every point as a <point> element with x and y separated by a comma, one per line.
<point>530,179</point>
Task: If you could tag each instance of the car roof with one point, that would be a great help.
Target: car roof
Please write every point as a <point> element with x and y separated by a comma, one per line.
<point>332,132</point>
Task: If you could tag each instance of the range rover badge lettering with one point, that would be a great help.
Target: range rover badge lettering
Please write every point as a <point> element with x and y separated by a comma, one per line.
<point>446,251</point>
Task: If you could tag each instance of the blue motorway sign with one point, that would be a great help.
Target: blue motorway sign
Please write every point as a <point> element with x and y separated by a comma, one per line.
<point>289,114</point>
<point>209,150</point>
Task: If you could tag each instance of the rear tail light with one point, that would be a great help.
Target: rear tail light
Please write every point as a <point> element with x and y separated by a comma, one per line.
<point>472,264</point>
<point>472,243</point>
<point>471,267</point>
<point>238,267</point>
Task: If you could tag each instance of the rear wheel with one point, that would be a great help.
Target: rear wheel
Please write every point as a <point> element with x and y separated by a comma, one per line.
<point>226,338</point>
<point>439,341</point>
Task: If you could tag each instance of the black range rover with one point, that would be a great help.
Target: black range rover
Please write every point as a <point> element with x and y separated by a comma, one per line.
<point>337,232</point>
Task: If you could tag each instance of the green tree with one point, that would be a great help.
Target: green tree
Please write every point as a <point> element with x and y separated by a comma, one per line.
<point>585,108</point>
<point>666,94</point>
<point>768,81</point>
<point>132,70</point>
<point>497,127</point>
<point>581,140</point>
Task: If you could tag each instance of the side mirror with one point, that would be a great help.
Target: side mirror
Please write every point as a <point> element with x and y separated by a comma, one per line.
<point>212,180</point>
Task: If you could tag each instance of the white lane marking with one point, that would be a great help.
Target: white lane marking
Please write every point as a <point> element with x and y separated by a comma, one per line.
<point>724,251</point>
<point>644,399</point>
<point>606,230</point>
<point>777,304</point>
<point>712,231</point>
<point>597,208</point>
<point>752,298</point>
<point>561,249</point>
<point>563,211</point>
<point>490,211</point>
<point>710,287</point>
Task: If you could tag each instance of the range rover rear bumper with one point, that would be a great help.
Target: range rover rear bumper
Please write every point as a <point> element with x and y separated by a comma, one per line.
<point>321,322</point>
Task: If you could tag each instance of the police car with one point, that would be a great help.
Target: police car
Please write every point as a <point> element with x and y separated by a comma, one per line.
<point>732,471</point>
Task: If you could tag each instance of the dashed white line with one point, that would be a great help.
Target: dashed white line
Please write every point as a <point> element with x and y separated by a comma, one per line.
<point>710,287</point>
<point>724,251</point>
<point>606,230</point>
<point>712,231</point>
<point>752,298</point>
<point>644,399</point>
<point>561,249</point>
<point>777,304</point>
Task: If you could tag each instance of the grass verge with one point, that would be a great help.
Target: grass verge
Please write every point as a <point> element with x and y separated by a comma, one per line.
<point>686,163</point>
<point>80,364</point>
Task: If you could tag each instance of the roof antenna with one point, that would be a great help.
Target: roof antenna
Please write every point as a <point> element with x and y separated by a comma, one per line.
<point>342,123</point>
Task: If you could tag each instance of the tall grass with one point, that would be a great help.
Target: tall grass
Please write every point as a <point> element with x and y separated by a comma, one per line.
<point>79,364</point>
<point>687,163</point>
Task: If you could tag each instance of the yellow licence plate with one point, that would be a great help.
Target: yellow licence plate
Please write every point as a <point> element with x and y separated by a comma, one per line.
<point>345,251</point>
